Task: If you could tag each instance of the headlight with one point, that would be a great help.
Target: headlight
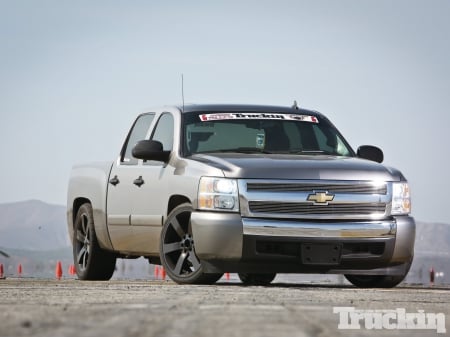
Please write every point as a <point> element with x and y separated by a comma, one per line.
<point>218,194</point>
<point>401,199</point>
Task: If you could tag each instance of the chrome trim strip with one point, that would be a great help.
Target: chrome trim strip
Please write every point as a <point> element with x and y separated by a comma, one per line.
<point>119,220</point>
<point>280,228</point>
<point>146,220</point>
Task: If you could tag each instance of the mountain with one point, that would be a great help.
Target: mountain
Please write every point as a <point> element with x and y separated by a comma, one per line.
<point>33,225</point>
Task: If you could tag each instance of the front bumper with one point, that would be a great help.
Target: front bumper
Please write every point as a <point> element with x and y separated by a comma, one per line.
<point>308,229</point>
<point>228,242</point>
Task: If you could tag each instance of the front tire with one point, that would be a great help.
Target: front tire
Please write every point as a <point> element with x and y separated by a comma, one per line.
<point>177,249</point>
<point>91,261</point>
<point>378,281</point>
<point>374,281</point>
<point>257,279</point>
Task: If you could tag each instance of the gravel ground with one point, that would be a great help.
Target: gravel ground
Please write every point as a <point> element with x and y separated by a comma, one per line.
<point>31,307</point>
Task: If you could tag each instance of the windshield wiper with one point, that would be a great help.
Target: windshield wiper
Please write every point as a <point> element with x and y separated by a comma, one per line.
<point>247,150</point>
<point>319,152</point>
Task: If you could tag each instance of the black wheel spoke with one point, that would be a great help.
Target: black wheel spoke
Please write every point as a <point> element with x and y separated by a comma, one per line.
<point>179,267</point>
<point>176,226</point>
<point>171,247</point>
<point>80,236</point>
<point>88,239</point>
<point>81,256</point>
<point>85,258</point>
<point>192,258</point>
<point>84,224</point>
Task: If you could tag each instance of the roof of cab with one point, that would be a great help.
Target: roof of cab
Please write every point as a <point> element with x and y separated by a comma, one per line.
<point>244,107</point>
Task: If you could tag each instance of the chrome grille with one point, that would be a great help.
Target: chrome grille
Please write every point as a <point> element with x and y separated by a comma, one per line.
<point>362,188</point>
<point>291,199</point>
<point>299,208</point>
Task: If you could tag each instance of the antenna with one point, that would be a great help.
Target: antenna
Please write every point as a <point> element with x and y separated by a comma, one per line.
<point>182,89</point>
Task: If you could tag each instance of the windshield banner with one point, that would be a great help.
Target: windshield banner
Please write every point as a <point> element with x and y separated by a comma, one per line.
<point>251,115</point>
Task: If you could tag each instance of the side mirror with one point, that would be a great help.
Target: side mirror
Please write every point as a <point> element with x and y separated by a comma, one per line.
<point>370,152</point>
<point>150,150</point>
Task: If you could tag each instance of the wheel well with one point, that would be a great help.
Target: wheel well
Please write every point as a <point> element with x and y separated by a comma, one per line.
<point>76,206</point>
<point>176,200</point>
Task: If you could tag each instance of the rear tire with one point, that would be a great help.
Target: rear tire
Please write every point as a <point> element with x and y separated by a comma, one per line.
<point>177,249</point>
<point>91,261</point>
<point>257,279</point>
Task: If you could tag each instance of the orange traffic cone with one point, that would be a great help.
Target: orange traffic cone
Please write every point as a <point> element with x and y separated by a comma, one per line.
<point>1,271</point>
<point>163,273</point>
<point>58,270</point>
<point>19,270</point>
<point>156,272</point>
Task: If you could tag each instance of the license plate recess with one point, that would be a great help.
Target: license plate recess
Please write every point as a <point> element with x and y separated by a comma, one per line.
<point>321,253</point>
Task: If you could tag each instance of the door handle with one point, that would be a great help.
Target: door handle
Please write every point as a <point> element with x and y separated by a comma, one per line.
<point>139,181</point>
<point>114,181</point>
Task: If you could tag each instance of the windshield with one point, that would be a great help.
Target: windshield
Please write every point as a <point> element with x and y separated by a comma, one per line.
<point>261,133</point>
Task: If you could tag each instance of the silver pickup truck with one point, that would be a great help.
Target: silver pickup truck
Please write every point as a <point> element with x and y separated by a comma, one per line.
<point>253,190</point>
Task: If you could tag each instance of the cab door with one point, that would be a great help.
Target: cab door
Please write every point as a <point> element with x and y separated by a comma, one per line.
<point>122,186</point>
<point>149,201</point>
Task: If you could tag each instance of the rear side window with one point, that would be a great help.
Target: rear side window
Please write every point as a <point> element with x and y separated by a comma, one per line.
<point>137,133</point>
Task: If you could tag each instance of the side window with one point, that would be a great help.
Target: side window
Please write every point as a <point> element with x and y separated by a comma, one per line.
<point>164,131</point>
<point>137,133</point>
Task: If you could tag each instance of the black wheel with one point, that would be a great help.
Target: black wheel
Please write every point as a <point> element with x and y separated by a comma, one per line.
<point>177,249</point>
<point>257,279</point>
<point>91,262</point>
<point>377,281</point>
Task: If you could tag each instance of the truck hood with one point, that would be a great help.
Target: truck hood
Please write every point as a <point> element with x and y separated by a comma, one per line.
<point>279,166</point>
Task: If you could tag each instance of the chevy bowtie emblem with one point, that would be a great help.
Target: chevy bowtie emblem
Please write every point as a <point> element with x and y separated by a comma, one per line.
<point>321,198</point>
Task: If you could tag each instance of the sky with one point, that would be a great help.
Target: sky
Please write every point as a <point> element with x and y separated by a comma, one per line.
<point>75,74</point>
